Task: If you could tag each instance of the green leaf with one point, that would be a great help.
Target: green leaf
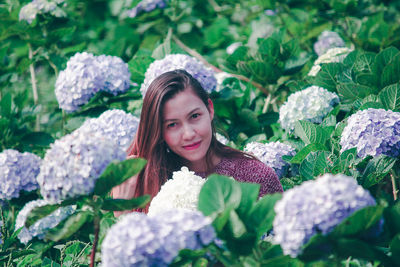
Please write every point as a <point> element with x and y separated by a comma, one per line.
<point>116,173</point>
<point>353,91</point>
<point>314,165</point>
<point>139,64</point>
<point>5,105</point>
<point>219,193</point>
<point>214,35</point>
<point>49,263</point>
<point>240,54</point>
<point>391,72</point>
<point>383,58</point>
<point>269,47</point>
<point>392,218</point>
<point>249,197</point>
<point>316,248</point>
<point>390,97</point>
<point>125,204</point>
<point>310,132</point>
<point>303,153</point>
<point>42,139</point>
<point>376,169</point>
<point>269,118</point>
<point>395,248</point>
<point>69,226</point>
<point>39,213</point>
<point>262,214</point>
<point>236,225</point>
<point>326,77</point>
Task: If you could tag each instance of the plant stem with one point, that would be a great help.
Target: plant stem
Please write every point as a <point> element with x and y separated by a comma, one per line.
<point>34,86</point>
<point>205,62</point>
<point>394,186</point>
<point>96,222</point>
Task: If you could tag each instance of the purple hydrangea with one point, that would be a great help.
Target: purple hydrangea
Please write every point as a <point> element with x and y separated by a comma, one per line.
<point>373,132</point>
<point>18,171</point>
<point>29,11</point>
<point>73,163</point>
<point>327,40</point>
<point>271,154</point>
<point>115,124</point>
<point>316,206</point>
<point>86,75</point>
<point>140,240</point>
<point>311,104</point>
<point>179,61</point>
<point>40,227</point>
<point>145,6</point>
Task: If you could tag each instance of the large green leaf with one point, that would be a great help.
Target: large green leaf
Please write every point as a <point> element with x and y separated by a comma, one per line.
<point>5,105</point>
<point>139,64</point>
<point>327,76</point>
<point>383,58</point>
<point>303,153</point>
<point>269,47</point>
<point>391,72</point>
<point>249,197</point>
<point>314,165</point>
<point>116,173</point>
<point>376,169</point>
<point>125,204</point>
<point>310,132</point>
<point>353,91</point>
<point>395,248</point>
<point>69,226</point>
<point>37,138</point>
<point>39,213</point>
<point>390,97</point>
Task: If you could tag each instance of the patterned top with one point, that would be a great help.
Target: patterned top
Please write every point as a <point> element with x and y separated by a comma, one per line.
<point>251,171</point>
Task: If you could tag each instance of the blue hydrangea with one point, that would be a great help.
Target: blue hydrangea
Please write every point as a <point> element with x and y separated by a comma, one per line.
<point>327,40</point>
<point>311,104</point>
<point>140,240</point>
<point>40,227</point>
<point>86,75</point>
<point>145,6</point>
<point>18,171</point>
<point>373,132</point>
<point>29,11</point>
<point>73,163</point>
<point>115,124</point>
<point>271,154</point>
<point>179,61</point>
<point>316,206</point>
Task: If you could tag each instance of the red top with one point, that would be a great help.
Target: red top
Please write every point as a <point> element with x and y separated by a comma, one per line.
<point>251,171</point>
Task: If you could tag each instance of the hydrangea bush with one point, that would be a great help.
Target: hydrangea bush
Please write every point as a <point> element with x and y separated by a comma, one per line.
<point>327,40</point>
<point>271,154</point>
<point>373,132</point>
<point>18,171</point>
<point>37,7</point>
<point>144,6</point>
<point>180,192</point>
<point>311,104</point>
<point>140,240</point>
<point>40,227</point>
<point>316,206</point>
<point>179,61</point>
<point>115,124</point>
<point>73,163</point>
<point>336,54</point>
<point>86,75</point>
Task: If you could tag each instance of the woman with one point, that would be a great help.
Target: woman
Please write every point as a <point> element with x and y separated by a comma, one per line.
<point>176,129</point>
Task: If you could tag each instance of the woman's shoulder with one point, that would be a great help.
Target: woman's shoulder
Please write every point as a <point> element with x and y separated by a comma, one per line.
<point>243,167</point>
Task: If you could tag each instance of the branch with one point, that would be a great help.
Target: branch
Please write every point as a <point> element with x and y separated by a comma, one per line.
<point>394,185</point>
<point>34,87</point>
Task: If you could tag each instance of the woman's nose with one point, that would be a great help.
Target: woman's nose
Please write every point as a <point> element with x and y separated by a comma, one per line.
<point>188,132</point>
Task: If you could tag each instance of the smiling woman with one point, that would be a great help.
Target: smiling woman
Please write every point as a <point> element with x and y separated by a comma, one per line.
<point>176,129</point>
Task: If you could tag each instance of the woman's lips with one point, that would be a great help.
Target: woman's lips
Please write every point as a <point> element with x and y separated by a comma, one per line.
<point>192,146</point>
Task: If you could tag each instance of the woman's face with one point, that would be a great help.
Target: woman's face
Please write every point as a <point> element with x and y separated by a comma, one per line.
<point>187,127</point>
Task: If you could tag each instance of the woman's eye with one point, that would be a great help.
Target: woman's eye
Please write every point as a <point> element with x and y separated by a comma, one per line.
<point>171,125</point>
<point>195,115</point>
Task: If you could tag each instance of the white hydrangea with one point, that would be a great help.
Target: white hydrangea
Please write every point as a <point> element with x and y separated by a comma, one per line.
<point>311,104</point>
<point>271,155</point>
<point>181,192</point>
<point>29,11</point>
<point>336,54</point>
<point>221,76</point>
<point>232,47</point>
<point>198,70</point>
<point>222,139</point>
<point>40,227</point>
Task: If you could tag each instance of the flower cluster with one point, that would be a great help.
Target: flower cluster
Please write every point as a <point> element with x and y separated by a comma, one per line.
<point>115,124</point>
<point>40,227</point>
<point>326,41</point>
<point>311,104</point>
<point>336,54</point>
<point>140,240</point>
<point>73,163</point>
<point>373,132</point>
<point>145,6</point>
<point>18,171</point>
<point>179,61</point>
<point>271,154</point>
<point>316,206</point>
<point>30,10</point>
<point>221,138</point>
<point>180,192</point>
<point>86,75</point>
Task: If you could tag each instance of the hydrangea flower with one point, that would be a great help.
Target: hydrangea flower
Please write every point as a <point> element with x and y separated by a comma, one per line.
<point>232,47</point>
<point>86,75</point>
<point>180,192</point>
<point>73,163</point>
<point>179,61</point>
<point>311,104</point>
<point>40,227</point>
<point>327,40</point>
<point>373,132</point>
<point>336,54</point>
<point>115,124</point>
<point>18,171</point>
<point>222,139</point>
<point>29,11</point>
<point>141,240</point>
<point>271,154</point>
<point>316,206</point>
<point>145,6</point>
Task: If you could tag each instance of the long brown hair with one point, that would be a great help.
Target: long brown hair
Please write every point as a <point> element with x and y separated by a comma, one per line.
<point>149,143</point>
